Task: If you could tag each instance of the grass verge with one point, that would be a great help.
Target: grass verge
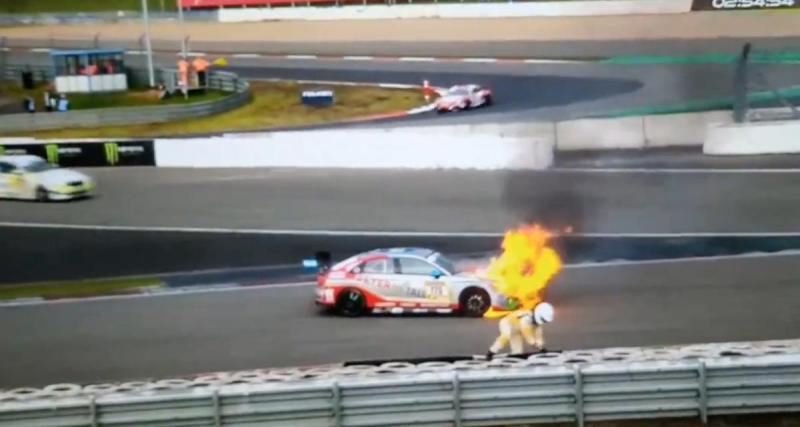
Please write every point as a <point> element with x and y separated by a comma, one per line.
<point>274,105</point>
<point>76,289</point>
<point>133,98</point>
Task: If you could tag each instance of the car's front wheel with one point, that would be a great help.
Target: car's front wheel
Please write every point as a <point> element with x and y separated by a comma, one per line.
<point>351,303</point>
<point>475,302</point>
<point>42,195</point>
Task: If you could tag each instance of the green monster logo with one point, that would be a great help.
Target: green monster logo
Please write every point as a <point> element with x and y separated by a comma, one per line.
<point>52,153</point>
<point>112,153</point>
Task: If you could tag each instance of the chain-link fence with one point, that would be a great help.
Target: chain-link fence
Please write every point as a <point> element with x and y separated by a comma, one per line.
<point>765,85</point>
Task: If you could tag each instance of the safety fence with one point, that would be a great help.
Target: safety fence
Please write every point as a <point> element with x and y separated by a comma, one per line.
<point>217,80</point>
<point>613,384</point>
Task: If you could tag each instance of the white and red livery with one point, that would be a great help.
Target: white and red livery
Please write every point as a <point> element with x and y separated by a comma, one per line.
<point>463,97</point>
<point>403,280</point>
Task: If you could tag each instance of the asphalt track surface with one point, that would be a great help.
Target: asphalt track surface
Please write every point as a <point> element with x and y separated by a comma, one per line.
<point>449,202</point>
<point>628,305</point>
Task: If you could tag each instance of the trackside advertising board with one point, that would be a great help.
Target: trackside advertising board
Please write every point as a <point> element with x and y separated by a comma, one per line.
<point>744,4</point>
<point>88,154</point>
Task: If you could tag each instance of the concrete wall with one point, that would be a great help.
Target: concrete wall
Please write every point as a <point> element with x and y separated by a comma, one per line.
<point>461,10</point>
<point>665,130</point>
<point>410,149</point>
<point>782,137</point>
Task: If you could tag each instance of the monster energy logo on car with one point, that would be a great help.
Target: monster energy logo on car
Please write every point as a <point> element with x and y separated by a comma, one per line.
<point>52,153</point>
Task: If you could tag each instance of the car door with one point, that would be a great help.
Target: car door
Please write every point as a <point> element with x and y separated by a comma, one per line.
<point>6,179</point>
<point>376,276</point>
<point>475,96</point>
<point>423,287</point>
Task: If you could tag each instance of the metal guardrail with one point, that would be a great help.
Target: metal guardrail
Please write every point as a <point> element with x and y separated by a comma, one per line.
<point>695,381</point>
<point>219,80</point>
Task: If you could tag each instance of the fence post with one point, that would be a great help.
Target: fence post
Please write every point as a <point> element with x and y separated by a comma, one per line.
<point>337,404</point>
<point>217,411</point>
<point>740,83</point>
<point>703,391</point>
<point>456,399</point>
<point>579,396</point>
<point>93,411</point>
<point>3,47</point>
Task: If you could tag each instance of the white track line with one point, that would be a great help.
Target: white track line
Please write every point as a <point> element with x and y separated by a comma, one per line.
<point>246,55</point>
<point>625,263</point>
<point>302,57</point>
<point>553,61</point>
<point>358,58</point>
<point>675,171</point>
<point>356,233</point>
<point>416,59</point>
<point>480,60</point>
<point>41,50</point>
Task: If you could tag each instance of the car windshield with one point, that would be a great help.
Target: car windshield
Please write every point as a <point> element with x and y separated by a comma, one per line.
<point>37,166</point>
<point>444,263</point>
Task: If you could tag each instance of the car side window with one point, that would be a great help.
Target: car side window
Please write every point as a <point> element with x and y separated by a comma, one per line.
<point>375,266</point>
<point>6,167</point>
<point>415,266</point>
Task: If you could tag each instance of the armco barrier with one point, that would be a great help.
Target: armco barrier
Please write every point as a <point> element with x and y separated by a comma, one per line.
<point>780,137</point>
<point>391,148</point>
<point>578,386</point>
<point>460,10</point>
<point>26,122</point>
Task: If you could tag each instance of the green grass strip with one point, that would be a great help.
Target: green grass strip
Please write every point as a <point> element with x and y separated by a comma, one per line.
<point>77,289</point>
<point>714,58</point>
<point>791,94</point>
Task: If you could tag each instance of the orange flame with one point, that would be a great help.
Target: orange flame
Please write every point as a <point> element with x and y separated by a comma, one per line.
<point>525,268</point>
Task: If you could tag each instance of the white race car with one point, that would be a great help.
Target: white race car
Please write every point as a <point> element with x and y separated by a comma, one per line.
<point>32,178</point>
<point>463,97</point>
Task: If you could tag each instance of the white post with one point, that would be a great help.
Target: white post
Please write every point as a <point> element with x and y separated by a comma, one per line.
<point>183,31</point>
<point>148,46</point>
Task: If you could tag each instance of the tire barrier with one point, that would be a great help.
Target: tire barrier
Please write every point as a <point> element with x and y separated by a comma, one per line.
<point>623,355</point>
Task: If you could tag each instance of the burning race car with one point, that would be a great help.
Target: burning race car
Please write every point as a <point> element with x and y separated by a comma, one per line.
<point>401,280</point>
<point>463,97</point>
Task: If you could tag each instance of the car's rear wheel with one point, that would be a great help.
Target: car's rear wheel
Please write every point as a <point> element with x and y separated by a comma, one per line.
<point>42,195</point>
<point>475,302</point>
<point>351,303</point>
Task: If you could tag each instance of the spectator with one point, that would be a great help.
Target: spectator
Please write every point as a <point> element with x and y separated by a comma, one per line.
<point>183,76</point>
<point>53,101</point>
<point>201,65</point>
<point>47,102</point>
<point>29,104</point>
<point>63,103</point>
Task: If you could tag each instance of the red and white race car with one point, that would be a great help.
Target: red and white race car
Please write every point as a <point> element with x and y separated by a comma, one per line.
<point>402,280</point>
<point>463,97</point>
